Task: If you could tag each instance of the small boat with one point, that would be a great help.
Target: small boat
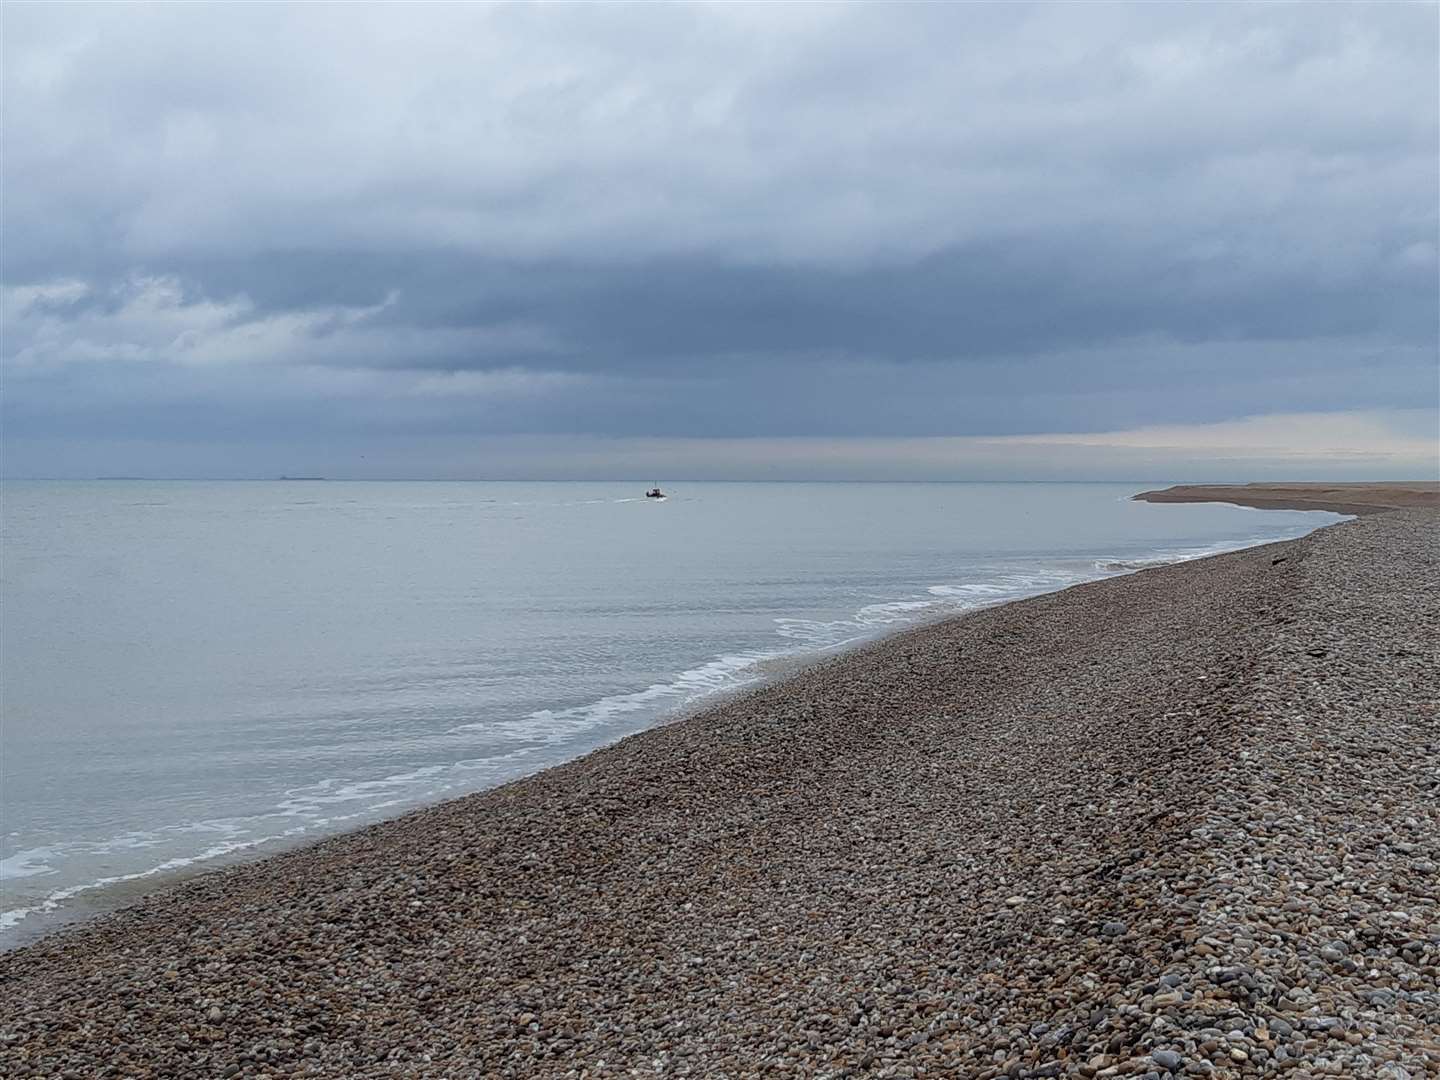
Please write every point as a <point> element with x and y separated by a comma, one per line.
<point>655,493</point>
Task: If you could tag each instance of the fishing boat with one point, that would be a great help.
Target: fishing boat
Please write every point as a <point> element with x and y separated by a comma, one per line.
<point>655,493</point>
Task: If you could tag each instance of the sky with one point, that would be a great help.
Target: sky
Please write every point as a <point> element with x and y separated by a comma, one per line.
<point>745,241</point>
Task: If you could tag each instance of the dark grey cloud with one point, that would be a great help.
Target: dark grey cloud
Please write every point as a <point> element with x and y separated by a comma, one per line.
<point>376,225</point>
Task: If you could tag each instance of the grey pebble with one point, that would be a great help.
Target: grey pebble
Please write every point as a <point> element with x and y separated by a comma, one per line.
<point>891,864</point>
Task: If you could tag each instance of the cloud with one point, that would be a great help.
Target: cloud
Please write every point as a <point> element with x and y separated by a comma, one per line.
<point>152,320</point>
<point>1402,438</point>
<point>1322,444</point>
<point>505,382</point>
<point>841,133</point>
<point>1318,446</point>
<point>728,222</point>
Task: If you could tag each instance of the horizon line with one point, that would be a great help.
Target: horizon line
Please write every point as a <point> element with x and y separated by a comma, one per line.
<point>678,480</point>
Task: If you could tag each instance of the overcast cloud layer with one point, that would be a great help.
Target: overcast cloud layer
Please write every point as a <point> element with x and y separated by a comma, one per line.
<point>730,240</point>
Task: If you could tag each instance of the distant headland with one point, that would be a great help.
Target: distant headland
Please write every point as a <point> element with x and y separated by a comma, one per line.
<point>1363,498</point>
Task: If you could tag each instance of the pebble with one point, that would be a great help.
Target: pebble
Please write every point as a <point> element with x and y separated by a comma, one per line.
<point>1178,823</point>
<point>1166,1059</point>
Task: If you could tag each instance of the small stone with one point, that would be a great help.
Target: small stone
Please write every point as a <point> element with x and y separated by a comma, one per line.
<point>1167,1059</point>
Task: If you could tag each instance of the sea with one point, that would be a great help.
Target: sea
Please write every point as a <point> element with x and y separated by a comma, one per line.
<point>194,673</point>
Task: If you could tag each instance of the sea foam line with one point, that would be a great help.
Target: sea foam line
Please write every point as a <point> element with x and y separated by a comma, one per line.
<point>545,728</point>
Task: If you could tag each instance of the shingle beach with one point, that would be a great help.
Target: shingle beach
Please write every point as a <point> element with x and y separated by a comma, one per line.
<point>1180,823</point>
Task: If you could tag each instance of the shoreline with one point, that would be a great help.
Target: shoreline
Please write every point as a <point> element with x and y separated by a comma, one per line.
<point>1019,842</point>
<point>81,903</point>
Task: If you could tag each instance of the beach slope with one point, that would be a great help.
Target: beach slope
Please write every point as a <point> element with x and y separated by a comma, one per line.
<point>1182,822</point>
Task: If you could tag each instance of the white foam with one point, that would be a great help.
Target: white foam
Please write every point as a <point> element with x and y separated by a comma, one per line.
<point>307,801</point>
<point>8,919</point>
<point>1178,555</point>
<point>25,864</point>
<point>555,726</point>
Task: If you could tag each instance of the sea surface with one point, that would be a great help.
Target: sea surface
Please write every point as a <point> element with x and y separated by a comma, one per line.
<point>195,672</point>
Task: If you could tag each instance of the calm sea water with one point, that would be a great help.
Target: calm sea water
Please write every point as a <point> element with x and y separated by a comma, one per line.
<point>196,671</point>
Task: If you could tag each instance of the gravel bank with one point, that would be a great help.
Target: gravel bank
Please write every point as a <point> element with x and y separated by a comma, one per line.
<point>1181,823</point>
<point>1363,498</point>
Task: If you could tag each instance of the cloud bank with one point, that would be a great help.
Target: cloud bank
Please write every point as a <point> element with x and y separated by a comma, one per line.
<point>378,239</point>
